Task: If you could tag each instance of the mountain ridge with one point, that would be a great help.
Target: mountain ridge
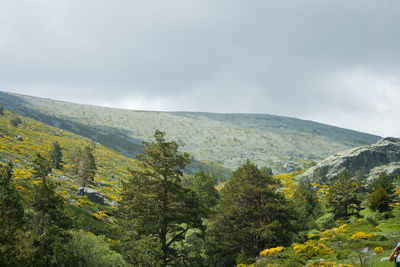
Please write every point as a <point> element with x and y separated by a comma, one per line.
<point>229,139</point>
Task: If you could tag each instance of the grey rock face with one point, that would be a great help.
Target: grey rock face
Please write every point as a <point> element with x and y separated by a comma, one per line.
<point>365,158</point>
<point>392,168</point>
<point>92,195</point>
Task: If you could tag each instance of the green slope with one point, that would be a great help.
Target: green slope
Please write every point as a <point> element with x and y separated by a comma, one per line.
<point>38,138</point>
<point>228,139</point>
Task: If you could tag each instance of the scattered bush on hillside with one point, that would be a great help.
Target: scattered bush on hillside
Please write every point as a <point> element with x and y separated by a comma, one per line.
<point>15,122</point>
<point>326,221</point>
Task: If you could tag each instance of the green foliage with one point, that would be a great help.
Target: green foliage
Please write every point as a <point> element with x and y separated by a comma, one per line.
<point>86,249</point>
<point>379,200</point>
<point>143,251</point>
<point>326,221</point>
<point>41,167</point>
<point>86,168</point>
<point>16,121</point>
<point>343,198</point>
<point>11,215</point>
<point>204,189</point>
<point>154,199</point>
<point>56,156</point>
<point>252,215</point>
<point>384,181</point>
<point>1,110</point>
<point>306,205</point>
<point>49,212</point>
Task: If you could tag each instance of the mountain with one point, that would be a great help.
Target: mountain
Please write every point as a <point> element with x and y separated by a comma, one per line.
<point>371,160</point>
<point>229,139</point>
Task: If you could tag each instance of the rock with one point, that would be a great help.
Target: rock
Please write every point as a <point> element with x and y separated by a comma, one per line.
<point>392,168</point>
<point>19,138</point>
<point>92,195</point>
<point>366,158</point>
<point>61,177</point>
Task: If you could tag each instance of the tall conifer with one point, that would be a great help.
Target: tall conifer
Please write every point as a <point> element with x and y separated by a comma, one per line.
<point>155,201</point>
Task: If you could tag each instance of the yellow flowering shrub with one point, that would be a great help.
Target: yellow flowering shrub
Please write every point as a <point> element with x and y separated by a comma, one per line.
<point>322,264</point>
<point>270,251</point>
<point>288,184</point>
<point>361,235</point>
<point>378,249</point>
<point>311,248</point>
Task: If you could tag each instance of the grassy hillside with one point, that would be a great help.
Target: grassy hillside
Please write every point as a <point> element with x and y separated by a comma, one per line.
<point>228,139</point>
<point>38,138</point>
<point>370,236</point>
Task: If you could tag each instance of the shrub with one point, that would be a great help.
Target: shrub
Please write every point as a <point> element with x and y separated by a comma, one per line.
<point>15,122</point>
<point>326,221</point>
<point>90,250</point>
<point>371,220</point>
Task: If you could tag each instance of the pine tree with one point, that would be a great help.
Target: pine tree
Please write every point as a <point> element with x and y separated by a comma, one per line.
<point>86,168</point>
<point>307,206</point>
<point>379,200</point>
<point>56,156</point>
<point>155,203</point>
<point>343,198</point>
<point>252,215</point>
<point>385,181</point>
<point>49,207</point>
<point>11,216</point>
<point>204,189</point>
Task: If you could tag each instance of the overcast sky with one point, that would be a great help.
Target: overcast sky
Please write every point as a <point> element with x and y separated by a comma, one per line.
<point>336,62</point>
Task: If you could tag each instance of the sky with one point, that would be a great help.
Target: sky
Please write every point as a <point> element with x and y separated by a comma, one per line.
<point>335,62</point>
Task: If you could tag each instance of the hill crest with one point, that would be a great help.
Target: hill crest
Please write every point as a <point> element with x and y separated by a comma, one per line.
<point>279,142</point>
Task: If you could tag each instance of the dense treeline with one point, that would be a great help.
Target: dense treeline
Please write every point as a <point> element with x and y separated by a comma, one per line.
<point>163,221</point>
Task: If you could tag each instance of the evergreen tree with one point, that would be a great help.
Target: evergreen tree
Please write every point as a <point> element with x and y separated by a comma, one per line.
<point>342,198</point>
<point>1,110</point>
<point>379,200</point>
<point>49,208</point>
<point>86,166</point>
<point>204,189</point>
<point>56,156</point>
<point>11,216</point>
<point>359,178</point>
<point>158,207</point>
<point>252,215</point>
<point>385,181</point>
<point>306,204</point>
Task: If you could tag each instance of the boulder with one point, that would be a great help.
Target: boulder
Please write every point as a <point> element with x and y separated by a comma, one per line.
<point>92,195</point>
<point>19,138</point>
<point>364,158</point>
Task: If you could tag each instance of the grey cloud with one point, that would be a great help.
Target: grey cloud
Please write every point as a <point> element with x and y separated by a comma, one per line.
<point>279,57</point>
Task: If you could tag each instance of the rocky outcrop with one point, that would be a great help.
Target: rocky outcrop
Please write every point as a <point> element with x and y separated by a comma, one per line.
<point>392,168</point>
<point>368,159</point>
<point>92,195</point>
<point>19,138</point>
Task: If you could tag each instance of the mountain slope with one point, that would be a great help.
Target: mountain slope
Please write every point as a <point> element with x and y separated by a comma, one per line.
<point>229,139</point>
